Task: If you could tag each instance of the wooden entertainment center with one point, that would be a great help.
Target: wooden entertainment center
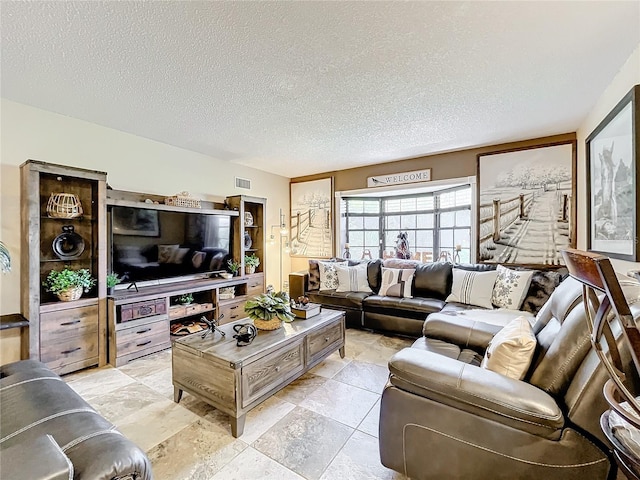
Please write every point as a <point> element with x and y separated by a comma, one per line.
<point>132,322</point>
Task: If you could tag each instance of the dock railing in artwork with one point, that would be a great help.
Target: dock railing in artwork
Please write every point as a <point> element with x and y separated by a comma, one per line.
<point>502,213</point>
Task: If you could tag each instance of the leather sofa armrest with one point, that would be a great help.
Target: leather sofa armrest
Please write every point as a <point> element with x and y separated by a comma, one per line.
<point>460,330</point>
<point>476,390</point>
<point>298,284</point>
<point>40,459</point>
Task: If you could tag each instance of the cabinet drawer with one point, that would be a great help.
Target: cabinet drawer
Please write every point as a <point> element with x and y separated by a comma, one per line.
<point>75,349</point>
<point>327,337</point>
<point>65,324</point>
<point>268,373</point>
<point>229,312</point>
<point>142,337</point>
<point>131,311</point>
<point>255,286</point>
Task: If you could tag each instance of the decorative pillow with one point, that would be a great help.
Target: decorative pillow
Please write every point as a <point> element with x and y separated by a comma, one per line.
<point>178,255</point>
<point>511,349</point>
<point>543,283</point>
<point>165,252</point>
<point>511,287</point>
<point>472,288</point>
<point>197,259</point>
<point>396,282</point>
<point>352,279</point>
<point>328,275</point>
<point>314,275</point>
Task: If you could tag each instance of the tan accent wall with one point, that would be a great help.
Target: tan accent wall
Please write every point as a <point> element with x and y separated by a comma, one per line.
<point>443,166</point>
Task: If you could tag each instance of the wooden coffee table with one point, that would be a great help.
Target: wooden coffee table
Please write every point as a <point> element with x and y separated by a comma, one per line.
<point>235,379</point>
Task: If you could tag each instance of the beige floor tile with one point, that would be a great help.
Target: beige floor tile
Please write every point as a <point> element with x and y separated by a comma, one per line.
<point>145,366</point>
<point>371,422</point>
<point>160,381</point>
<point>341,402</point>
<point>125,401</point>
<point>298,390</point>
<point>397,343</point>
<point>369,376</point>
<point>155,423</point>
<point>197,452</point>
<point>251,464</point>
<point>360,460</point>
<point>377,354</point>
<point>304,442</point>
<point>98,382</point>
<point>330,366</point>
<point>361,336</point>
<point>263,417</point>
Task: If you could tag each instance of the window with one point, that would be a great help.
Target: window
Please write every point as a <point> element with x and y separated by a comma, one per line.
<point>438,225</point>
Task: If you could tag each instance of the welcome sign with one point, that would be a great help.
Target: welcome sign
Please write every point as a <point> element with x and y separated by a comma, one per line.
<point>400,178</point>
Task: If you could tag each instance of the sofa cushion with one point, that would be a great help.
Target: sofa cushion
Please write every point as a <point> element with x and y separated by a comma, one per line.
<point>331,298</point>
<point>410,307</point>
<point>511,287</point>
<point>433,280</point>
<point>473,288</point>
<point>397,282</point>
<point>511,349</point>
<point>353,279</point>
<point>450,350</point>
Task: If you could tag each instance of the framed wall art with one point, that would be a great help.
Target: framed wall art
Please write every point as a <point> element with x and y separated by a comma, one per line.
<point>526,211</point>
<point>312,218</point>
<point>612,181</point>
<point>135,221</point>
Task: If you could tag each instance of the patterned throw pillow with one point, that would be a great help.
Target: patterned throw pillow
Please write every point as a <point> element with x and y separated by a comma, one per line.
<point>510,288</point>
<point>166,252</point>
<point>396,282</point>
<point>314,275</point>
<point>328,275</point>
<point>472,288</point>
<point>543,283</point>
<point>353,279</point>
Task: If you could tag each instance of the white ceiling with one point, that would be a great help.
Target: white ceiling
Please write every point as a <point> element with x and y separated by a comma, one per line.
<point>297,88</point>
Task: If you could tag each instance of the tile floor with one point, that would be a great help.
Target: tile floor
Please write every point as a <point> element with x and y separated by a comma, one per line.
<point>322,426</point>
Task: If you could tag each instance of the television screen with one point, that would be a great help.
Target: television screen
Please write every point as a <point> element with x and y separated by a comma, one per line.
<point>154,244</point>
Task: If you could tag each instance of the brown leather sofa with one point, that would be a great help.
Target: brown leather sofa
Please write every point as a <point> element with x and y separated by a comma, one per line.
<point>431,286</point>
<point>47,431</point>
<point>444,417</point>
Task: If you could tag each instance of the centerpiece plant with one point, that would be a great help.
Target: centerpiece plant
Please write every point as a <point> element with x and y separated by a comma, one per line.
<point>69,284</point>
<point>269,310</point>
<point>233,266</point>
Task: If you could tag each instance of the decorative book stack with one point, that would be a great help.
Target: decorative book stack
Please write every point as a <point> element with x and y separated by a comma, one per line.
<point>306,311</point>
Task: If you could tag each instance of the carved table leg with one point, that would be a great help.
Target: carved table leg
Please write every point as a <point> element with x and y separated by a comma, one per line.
<point>177,394</point>
<point>341,350</point>
<point>237,425</point>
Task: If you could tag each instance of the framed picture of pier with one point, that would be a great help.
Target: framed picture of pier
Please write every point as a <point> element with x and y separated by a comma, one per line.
<point>612,181</point>
<point>312,218</point>
<point>526,211</point>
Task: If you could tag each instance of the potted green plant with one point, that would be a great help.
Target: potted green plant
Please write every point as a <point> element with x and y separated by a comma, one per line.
<point>68,284</point>
<point>234,266</point>
<point>250,263</point>
<point>185,299</point>
<point>112,281</point>
<point>269,310</point>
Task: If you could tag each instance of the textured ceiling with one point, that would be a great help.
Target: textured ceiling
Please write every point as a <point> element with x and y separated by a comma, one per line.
<point>304,87</point>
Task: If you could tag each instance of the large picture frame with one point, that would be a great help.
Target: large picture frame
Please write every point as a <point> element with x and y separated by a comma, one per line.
<point>612,181</point>
<point>135,221</point>
<point>526,204</point>
<point>312,218</point>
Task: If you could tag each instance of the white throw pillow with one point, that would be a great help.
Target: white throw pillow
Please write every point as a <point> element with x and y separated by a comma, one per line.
<point>397,282</point>
<point>178,255</point>
<point>328,275</point>
<point>511,349</point>
<point>353,279</point>
<point>165,253</point>
<point>472,288</point>
<point>511,287</point>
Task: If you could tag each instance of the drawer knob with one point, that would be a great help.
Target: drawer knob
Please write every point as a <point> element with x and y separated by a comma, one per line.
<point>66,352</point>
<point>277,369</point>
<point>143,343</point>
<point>144,330</point>
<point>234,307</point>
<point>70,323</point>
<point>326,339</point>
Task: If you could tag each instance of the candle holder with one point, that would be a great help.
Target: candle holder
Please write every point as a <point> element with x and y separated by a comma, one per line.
<point>346,253</point>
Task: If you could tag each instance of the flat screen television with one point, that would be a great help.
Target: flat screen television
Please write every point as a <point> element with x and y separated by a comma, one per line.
<point>150,245</point>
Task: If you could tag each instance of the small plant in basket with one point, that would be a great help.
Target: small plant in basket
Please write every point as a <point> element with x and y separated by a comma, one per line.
<point>185,299</point>
<point>68,284</point>
<point>269,310</point>
<point>233,266</point>
<point>251,262</point>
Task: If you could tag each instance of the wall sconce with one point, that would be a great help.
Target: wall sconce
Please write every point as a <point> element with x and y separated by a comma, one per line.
<point>284,240</point>
<point>283,229</point>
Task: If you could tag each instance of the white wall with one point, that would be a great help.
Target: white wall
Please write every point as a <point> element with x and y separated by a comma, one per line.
<point>627,77</point>
<point>132,163</point>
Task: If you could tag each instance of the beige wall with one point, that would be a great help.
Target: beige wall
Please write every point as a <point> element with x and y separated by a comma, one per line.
<point>627,77</point>
<point>132,163</point>
<point>443,166</point>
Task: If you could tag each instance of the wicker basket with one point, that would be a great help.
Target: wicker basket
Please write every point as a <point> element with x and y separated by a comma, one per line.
<point>183,199</point>
<point>273,324</point>
<point>64,205</point>
<point>70,294</point>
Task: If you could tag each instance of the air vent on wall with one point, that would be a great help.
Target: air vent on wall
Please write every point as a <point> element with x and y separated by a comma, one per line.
<point>243,183</point>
